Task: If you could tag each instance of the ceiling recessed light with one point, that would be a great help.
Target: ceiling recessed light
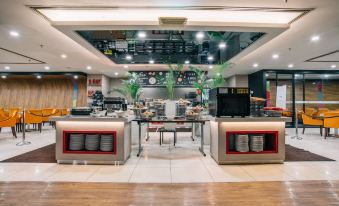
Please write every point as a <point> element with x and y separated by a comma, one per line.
<point>266,75</point>
<point>333,66</point>
<point>200,35</point>
<point>222,45</point>
<point>14,33</point>
<point>125,66</point>
<point>38,77</point>
<point>88,67</point>
<point>75,77</point>
<point>290,65</point>
<point>47,68</point>
<point>210,58</point>
<point>255,65</point>
<point>141,34</point>
<point>7,68</point>
<point>151,61</point>
<point>128,57</point>
<point>64,56</point>
<point>315,38</point>
<point>326,75</point>
<point>275,56</point>
<point>3,76</point>
<point>313,82</point>
<point>116,73</point>
<point>210,67</point>
<point>187,61</point>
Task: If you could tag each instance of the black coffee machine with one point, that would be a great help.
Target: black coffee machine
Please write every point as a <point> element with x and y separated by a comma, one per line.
<point>112,104</point>
<point>229,102</point>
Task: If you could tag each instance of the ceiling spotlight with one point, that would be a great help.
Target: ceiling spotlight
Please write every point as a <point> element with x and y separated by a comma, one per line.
<point>222,45</point>
<point>47,68</point>
<point>313,83</point>
<point>275,56</point>
<point>14,33</point>
<point>255,65</point>
<point>210,58</point>
<point>141,34</point>
<point>315,38</point>
<point>128,57</point>
<point>290,66</point>
<point>38,77</point>
<point>88,67</point>
<point>187,61</point>
<point>7,68</point>
<point>116,73</point>
<point>200,35</point>
<point>64,56</point>
<point>266,75</point>
<point>3,76</point>
<point>333,66</point>
<point>75,77</point>
<point>210,67</point>
<point>151,61</point>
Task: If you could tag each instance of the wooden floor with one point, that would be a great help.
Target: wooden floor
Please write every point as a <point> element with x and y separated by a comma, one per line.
<point>249,193</point>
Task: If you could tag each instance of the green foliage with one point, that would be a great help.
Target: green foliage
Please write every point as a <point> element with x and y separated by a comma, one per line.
<point>170,82</point>
<point>216,79</point>
<point>202,78</point>
<point>130,87</point>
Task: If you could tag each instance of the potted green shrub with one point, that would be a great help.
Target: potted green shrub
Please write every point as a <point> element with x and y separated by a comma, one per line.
<point>131,88</point>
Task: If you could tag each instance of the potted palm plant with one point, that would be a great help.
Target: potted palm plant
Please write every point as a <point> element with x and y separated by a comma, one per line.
<point>131,88</point>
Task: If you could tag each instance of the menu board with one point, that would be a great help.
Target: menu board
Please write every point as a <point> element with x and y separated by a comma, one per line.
<point>158,78</point>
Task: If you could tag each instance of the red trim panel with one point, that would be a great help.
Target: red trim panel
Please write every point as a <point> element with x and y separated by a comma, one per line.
<point>65,146</point>
<point>273,133</point>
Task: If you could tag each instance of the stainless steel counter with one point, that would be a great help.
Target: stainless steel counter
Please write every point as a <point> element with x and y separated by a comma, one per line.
<point>118,128</point>
<point>224,132</point>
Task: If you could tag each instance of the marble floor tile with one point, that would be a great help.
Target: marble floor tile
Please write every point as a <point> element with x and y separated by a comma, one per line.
<point>151,175</point>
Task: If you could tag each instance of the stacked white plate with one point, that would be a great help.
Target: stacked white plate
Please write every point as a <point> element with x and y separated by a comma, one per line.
<point>106,143</point>
<point>92,142</point>
<point>257,143</point>
<point>241,143</point>
<point>76,141</point>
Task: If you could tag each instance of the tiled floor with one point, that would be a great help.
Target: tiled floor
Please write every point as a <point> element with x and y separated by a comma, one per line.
<point>167,164</point>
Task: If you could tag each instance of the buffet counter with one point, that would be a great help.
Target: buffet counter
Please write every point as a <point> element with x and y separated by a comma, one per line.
<point>248,140</point>
<point>92,140</point>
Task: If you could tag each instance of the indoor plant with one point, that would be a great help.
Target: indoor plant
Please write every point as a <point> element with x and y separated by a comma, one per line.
<point>130,87</point>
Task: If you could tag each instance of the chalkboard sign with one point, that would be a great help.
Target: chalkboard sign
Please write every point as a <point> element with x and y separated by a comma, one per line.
<point>158,78</point>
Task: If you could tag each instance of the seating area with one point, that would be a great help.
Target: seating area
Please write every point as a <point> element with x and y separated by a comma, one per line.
<point>323,118</point>
<point>33,119</point>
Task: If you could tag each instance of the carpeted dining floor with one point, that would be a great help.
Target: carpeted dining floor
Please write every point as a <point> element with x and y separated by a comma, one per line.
<point>47,155</point>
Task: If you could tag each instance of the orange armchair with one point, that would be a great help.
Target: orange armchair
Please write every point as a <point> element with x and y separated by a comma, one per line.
<point>34,116</point>
<point>331,120</point>
<point>321,111</point>
<point>9,121</point>
<point>309,120</point>
<point>49,112</point>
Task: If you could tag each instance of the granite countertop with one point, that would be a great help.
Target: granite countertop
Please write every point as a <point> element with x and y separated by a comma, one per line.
<point>95,119</point>
<point>251,119</point>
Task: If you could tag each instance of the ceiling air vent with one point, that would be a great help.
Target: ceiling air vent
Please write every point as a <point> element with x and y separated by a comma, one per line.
<point>172,21</point>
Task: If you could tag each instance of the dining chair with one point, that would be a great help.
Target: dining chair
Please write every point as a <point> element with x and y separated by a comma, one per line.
<point>310,120</point>
<point>34,116</point>
<point>9,121</point>
<point>331,120</point>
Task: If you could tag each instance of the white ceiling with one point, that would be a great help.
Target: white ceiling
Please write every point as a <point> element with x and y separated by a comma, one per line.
<point>41,40</point>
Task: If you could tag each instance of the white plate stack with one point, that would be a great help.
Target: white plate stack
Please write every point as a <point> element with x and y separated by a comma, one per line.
<point>106,143</point>
<point>92,142</point>
<point>76,142</point>
<point>257,143</point>
<point>241,143</point>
